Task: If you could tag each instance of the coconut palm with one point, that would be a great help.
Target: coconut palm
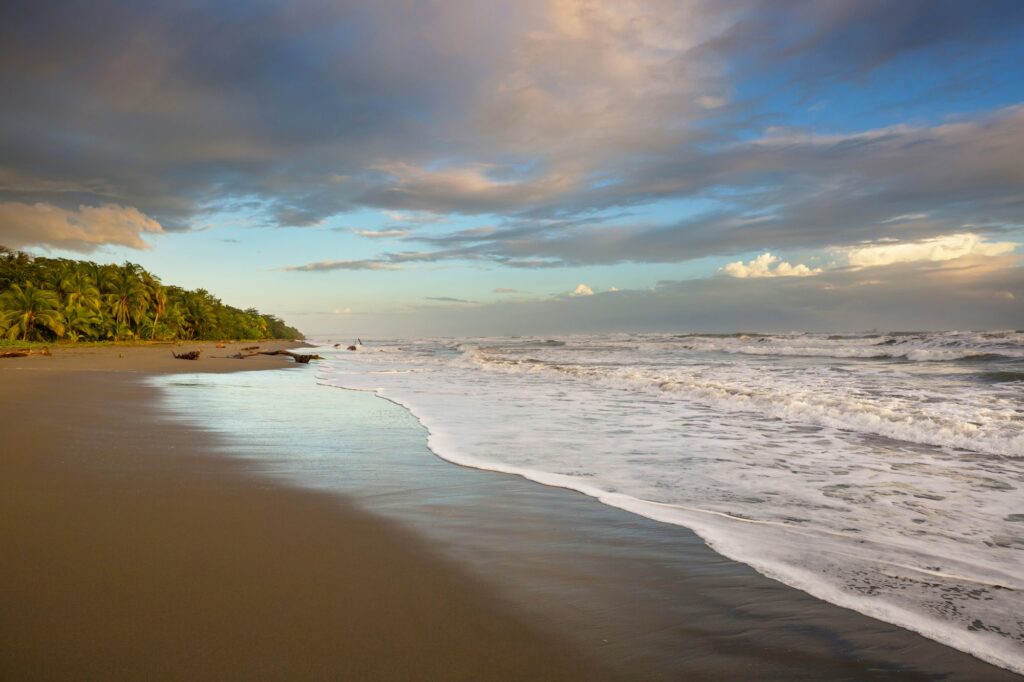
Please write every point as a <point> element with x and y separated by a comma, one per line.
<point>157,298</point>
<point>80,290</point>
<point>86,300</point>
<point>81,322</point>
<point>127,297</point>
<point>25,308</point>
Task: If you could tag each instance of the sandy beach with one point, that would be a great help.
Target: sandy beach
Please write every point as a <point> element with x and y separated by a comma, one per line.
<point>131,552</point>
<point>162,525</point>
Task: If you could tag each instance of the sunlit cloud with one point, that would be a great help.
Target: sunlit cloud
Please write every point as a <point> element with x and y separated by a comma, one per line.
<point>84,229</point>
<point>948,247</point>
<point>582,290</point>
<point>768,265</point>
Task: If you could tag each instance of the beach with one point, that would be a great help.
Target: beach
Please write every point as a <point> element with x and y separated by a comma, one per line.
<point>169,519</point>
<point>131,552</point>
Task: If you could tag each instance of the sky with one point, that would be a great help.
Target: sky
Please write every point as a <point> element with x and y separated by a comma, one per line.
<point>403,168</point>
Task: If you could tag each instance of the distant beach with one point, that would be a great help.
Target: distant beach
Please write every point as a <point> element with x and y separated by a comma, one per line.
<point>169,518</point>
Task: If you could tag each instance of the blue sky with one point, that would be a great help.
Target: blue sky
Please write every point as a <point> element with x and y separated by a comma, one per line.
<point>422,168</point>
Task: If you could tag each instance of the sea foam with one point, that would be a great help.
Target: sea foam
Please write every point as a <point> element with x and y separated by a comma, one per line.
<point>886,485</point>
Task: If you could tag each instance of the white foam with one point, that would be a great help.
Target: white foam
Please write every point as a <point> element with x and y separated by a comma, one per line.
<point>774,465</point>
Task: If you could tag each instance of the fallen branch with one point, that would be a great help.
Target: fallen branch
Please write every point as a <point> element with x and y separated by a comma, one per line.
<point>191,355</point>
<point>298,357</point>
<point>24,352</point>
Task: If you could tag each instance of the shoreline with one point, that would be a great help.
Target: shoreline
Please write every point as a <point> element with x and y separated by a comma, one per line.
<point>200,560</point>
<point>134,549</point>
<point>648,598</point>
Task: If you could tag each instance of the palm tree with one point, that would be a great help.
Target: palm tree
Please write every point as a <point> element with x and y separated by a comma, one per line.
<point>25,307</point>
<point>80,289</point>
<point>15,266</point>
<point>198,310</point>
<point>157,296</point>
<point>127,297</point>
<point>81,322</point>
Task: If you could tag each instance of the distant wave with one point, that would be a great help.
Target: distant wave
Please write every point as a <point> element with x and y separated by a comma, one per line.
<point>911,346</point>
<point>994,430</point>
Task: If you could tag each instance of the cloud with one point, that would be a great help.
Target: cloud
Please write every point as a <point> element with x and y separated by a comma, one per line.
<point>907,217</point>
<point>851,39</point>
<point>329,265</point>
<point>447,299</point>
<point>505,290</point>
<point>84,229</point>
<point>582,290</point>
<point>767,265</point>
<point>972,292</point>
<point>549,113</point>
<point>943,248</point>
<point>381,234</point>
<point>416,218</point>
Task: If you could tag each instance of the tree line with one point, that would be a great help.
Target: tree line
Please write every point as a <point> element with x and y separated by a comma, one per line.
<point>49,299</point>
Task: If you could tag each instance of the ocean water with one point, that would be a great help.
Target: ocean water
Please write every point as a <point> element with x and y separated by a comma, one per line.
<point>879,472</point>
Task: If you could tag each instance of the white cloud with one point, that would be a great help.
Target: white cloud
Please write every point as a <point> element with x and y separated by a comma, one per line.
<point>329,265</point>
<point>767,265</point>
<point>905,218</point>
<point>83,230</point>
<point>582,290</point>
<point>381,234</point>
<point>942,248</point>
<point>418,217</point>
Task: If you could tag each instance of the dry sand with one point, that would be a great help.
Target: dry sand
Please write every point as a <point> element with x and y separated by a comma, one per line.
<point>131,551</point>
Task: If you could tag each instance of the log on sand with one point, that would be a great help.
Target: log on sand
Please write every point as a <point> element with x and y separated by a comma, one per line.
<point>24,352</point>
<point>300,358</point>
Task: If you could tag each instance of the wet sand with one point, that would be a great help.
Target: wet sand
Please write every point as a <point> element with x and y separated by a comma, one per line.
<point>647,599</point>
<point>131,550</point>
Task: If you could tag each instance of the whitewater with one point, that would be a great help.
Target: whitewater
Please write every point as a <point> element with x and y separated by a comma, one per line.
<point>881,472</point>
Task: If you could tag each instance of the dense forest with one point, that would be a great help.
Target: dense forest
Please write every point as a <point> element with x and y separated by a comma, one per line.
<point>48,299</point>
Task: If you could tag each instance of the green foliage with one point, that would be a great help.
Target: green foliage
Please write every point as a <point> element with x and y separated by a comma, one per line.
<point>49,299</point>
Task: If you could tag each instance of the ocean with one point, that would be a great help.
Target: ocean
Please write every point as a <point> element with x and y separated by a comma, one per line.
<point>881,472</point>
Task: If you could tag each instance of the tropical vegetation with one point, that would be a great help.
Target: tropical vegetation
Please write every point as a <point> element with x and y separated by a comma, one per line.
<point>53,299</point>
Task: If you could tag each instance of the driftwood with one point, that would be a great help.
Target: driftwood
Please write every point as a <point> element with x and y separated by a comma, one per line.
<point>300,358</point>
<point>191,355</point>
<point>24,352</point>
<point>251,348</point>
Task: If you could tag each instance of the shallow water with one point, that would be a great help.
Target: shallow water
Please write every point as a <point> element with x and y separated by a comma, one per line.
<point>645,596</point>
<point>881,472</point>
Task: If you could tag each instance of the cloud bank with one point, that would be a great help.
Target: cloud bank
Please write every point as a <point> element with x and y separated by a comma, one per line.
<point>83,229</point>
<point>532,111</point>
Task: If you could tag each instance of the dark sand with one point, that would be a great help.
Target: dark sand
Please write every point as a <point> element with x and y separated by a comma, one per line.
<point>131,551</point>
